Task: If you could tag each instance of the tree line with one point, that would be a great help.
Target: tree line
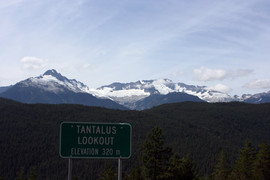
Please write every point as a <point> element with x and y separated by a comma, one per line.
<point>29,136</point>
<point>160,163</point>
<point>22,175</point>
<point>250,165</point>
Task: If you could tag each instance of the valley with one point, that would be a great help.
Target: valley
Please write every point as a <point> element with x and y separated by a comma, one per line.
<point>30,134</point>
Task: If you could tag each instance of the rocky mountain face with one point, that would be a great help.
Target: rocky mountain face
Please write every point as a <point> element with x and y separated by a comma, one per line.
<point>157,99</point>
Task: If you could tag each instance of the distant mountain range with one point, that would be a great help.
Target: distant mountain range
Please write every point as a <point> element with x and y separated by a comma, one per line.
<point>135,93</point>
<point>53,88</point>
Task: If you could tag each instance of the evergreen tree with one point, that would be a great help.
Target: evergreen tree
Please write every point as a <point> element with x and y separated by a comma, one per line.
<point>134,175</point>
<point>155,157</point>
<point>32,174</point>
<point>108,174</point>
<point>261,169</point>
<point>222,169</point>
<point>244,164</point>
<point>20,175</point>
<point>181,168</point>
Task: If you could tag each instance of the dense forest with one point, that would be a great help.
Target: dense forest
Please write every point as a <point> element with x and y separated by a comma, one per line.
<point>195,132</point>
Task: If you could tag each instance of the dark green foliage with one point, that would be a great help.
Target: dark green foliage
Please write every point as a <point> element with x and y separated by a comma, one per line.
<point>136,174</point>
<point>155,157</point>
<point>207,128</point>
<point>29,134</point>
<point>32,174</point>
<point>244,163</point>
<point>175,167</point>
<point>222,169</point>
<point>261,168</point>
<point>181,169</point>
<point>155,160</point>
<point>108,172</point>
<point>21,174</point>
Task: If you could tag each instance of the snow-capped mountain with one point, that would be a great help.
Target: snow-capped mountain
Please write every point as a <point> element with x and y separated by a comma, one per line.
<point>53,88</point>
<point>256,98</point>
<point>129,93</point>
<point>52,81</point>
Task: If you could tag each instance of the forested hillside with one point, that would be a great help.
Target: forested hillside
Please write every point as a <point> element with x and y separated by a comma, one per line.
<point>29,134</point>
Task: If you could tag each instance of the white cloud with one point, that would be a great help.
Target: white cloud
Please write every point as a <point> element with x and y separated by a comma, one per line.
<point>89,66</point>
<point>85,66</point>
<point>178,73</point>
<point>241,72</point>
<point>258,84</point>
<point>206,74</point>
<point>33,63</point>
<point>221,88</point>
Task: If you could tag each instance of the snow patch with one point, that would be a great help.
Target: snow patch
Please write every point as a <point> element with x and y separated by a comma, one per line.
<point>109,92</point>
<point>161,86</point>
<point>51,83</point>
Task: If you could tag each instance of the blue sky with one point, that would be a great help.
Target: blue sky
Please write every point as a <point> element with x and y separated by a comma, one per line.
<point>220,44</point>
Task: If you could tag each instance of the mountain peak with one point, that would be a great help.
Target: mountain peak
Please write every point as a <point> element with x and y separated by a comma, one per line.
<point>51,72</point>
<point>54,73</point>
<point>53,81</point>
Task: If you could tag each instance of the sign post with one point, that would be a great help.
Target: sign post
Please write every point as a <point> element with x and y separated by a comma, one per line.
<point>95,140</point>
<point>119,169</point>
<point>69,169</point>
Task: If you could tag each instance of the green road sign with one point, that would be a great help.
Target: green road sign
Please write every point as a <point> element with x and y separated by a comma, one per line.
<point>95,140</point>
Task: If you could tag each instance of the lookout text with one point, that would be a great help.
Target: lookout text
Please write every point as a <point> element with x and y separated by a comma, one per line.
<point>92,140</point>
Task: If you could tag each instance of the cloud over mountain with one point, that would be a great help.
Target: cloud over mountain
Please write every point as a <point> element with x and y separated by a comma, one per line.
<point>241,73</point>
<point>207,74</point>
<point>33,63</point>
<point>220,87</point>
<point>258,84</point>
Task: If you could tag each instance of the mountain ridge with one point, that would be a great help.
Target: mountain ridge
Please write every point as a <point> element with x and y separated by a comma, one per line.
<point>52,87</point>
<point>129,93</point>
